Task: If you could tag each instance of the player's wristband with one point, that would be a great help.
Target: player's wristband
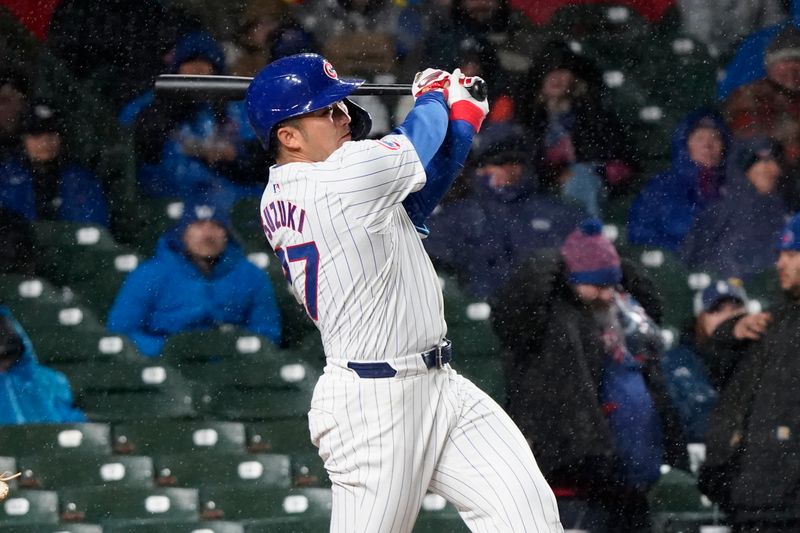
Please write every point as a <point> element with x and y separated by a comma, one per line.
<point>465,110</point>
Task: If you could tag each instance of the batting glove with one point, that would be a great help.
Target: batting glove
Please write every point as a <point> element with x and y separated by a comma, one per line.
<point>463,106</point>
<point>430,79</point>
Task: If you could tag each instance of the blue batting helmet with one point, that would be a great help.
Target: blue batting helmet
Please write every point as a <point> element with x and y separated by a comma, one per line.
<point>299,84</point>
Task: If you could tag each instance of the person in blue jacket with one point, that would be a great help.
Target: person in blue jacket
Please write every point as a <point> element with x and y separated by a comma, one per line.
<point>735,236</point>
<point>40,182</point>
<point>199,279</point>
<point>29,392</point>
<point>188,143</point>
<point>669,203</point>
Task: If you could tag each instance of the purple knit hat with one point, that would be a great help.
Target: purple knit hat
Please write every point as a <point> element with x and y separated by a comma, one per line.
<point>591,258</point>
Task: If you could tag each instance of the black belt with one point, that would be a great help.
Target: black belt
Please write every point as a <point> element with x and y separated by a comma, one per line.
<point>434,358</point>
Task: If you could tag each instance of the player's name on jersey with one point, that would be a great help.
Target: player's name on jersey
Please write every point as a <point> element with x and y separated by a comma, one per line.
<point>282,214</point>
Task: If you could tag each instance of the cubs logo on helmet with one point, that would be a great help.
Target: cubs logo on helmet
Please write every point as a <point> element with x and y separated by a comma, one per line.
<point>329,70</point>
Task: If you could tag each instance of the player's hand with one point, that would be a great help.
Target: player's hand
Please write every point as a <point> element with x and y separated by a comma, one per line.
<point>751,327</point>
<point>430,79</point>
<point>463,106</point>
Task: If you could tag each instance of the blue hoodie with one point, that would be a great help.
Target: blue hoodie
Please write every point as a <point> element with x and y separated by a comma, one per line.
<point>31,393</point>
<point>168,294</point>
<point>669,203</point>
<point>736,236</point>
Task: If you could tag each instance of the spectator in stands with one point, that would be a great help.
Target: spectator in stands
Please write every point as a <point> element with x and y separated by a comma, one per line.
<point>736,235</point>
<point>770,107</point>
<point>199,279</point>
<point>684,365</point>
<point>585,385</point>
<point>722,24</point>
<point>13,100</point>
<point>484,236</point>
<point>751,467</point>
<point>185,144</point>
<point>31,393</point>
<point>669,203</point>
<point>576,141</point>
<point>16,243</point>
<point>514,36</point>
<point>41,182</point>
<point>267,32</point>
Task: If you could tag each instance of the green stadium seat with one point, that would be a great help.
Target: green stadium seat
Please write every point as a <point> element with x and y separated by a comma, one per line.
<point>29,507</point>
<point>19,287</point>
<point>308,470</point>
<point>280,505</point>
<point>99,291</point>
<point>204,470</point>
<point>287,525</point>
<point>123,391</point>
<point>152,437</point>
<point>102,505</point>
<point>247,223</point>
<point>257,403</point>
<point>47,439</point>
<point>54,528</point>
<point>161,214</point>
<point>174,527</point>
<point>289,435</point>
<point>215,345</point>
<point>437,515</point>
<point>678,506</point>
<point>74,346</point>
<point>42,319</point>
<point>54,473</point>
<point>487,373</point>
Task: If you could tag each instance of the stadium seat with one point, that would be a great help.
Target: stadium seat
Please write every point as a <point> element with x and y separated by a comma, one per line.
<point>152,437</point>
<point>74,346</point>
<point>437,515</point>
<point>42,319</point>
<point>247,224</point>
<point>215,345</point>
<point>175,527</point>
<point>29,507</point>
<point>161,214</point>
<point>289,435</point>
<point>287,525</point>
<point>308,470</point>
<point>280,505</point>
<point>48,439</point>
<point>19,287</point>
<point>205,470</point>
<point>123,391</point>
<point>54,473</point>
<point>54,528</point>
<point>487,373</point>
<point>678,506</point>
<point>102,505</point>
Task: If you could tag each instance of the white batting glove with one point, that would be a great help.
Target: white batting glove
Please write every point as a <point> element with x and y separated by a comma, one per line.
<point>430,79</point>
<point>463,106</point>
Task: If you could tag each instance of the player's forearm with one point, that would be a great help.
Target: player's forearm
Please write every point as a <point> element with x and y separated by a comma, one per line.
<point>426,125</point>
<point>441,172</point>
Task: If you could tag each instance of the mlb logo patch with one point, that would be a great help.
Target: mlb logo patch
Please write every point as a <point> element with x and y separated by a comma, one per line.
<point>276,188</point>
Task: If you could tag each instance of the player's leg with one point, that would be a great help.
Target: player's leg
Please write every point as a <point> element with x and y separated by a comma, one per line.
<point>488,472</point>
<point>379,439</point>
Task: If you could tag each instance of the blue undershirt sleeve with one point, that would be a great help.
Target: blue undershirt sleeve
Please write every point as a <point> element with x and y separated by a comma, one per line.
<point>426,125</point>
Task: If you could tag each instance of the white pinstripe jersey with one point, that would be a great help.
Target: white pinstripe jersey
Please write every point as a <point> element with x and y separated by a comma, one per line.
<point>354,258</point>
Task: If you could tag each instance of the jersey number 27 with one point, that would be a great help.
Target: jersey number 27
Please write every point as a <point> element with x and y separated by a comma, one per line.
<point>308,253</point>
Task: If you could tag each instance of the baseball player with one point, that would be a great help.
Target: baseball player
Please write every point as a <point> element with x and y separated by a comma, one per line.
<point>391,418</point>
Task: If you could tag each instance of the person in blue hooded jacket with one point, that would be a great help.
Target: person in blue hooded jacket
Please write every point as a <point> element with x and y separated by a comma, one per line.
<point>199,279</point>
<point>735,236</point>
<point>29,392</point>
<point>183,144</point>
<point>669,203</point>
<point>41,182</point>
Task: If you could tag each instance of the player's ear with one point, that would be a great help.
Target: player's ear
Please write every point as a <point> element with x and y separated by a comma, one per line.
<point>289,136</point>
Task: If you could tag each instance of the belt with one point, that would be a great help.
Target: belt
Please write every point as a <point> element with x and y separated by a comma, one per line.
<point>433,358</point>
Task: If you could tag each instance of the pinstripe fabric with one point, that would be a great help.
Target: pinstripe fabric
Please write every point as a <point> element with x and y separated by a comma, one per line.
<point>387,442</point>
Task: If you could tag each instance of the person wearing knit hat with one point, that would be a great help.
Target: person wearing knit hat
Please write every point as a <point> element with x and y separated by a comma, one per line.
<point>590,257</point>
<point>198,279</point>
<point>584,382</point>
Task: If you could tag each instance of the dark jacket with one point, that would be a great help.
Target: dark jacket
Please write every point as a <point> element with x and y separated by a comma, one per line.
<point>669,203</point>
<point>752,444</point>
<point>29,392</point>
<point>554,364</point>
<point>486,235</point>
<point>736,235</point>
<point>168,294</point>
<point>81,197</point>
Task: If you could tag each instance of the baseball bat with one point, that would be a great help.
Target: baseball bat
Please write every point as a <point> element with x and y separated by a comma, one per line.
<point>235,87</point>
